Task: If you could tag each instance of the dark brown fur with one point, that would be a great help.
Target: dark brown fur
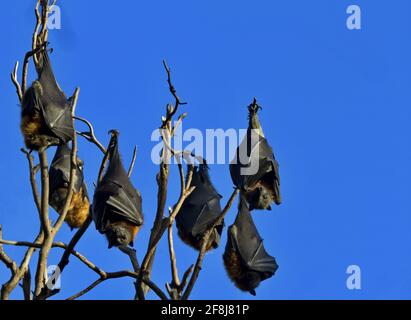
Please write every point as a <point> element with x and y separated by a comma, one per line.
<point>234,268</point>
<point>195,243</point>
<point>78,210</point>
<point>33,127</point>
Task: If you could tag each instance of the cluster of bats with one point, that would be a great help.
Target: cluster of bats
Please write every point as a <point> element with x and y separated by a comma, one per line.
<point>117,205</point>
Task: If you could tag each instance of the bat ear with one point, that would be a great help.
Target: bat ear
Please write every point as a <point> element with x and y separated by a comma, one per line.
<point>253,292</point>
<point>269,208</point>
<point>132,244</point>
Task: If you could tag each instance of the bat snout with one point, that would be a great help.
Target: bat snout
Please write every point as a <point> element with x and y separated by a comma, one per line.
<point>118,236</point>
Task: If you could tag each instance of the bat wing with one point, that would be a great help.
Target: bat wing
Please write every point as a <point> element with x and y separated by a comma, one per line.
<point>31,101</point>
<point>208,214</point>
<point>202,207</point>
<point>248,243</point>
<point>115,192</point>
<point>54,104</point>
<point>253,160</point>
<point>60,170</point>
<point>126,205</point>
<point>99,210</point>
<point>269,169</point>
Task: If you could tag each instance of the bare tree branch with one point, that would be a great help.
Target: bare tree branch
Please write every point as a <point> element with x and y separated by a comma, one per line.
<point>171,110</point>
<point>33,182</point>
<point>173,261</point>
<point>26,63</point>
<point>16,81</point>
<point>130,169</point>
<point>51,233</point>
<point>10,285</point>
<point>44,204</point>
<point>104,275</point>
<point>90,135</point>
<point>116,275</point>
<point>27,285</point>
<point>5,258</point>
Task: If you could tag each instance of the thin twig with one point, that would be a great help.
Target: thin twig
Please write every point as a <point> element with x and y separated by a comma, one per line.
<point>88,289</point>
<point>33,181</point>
<point>36,30</point>
<point>90,135</point>
<point>5,258</point>
<point>26,64</point>
<point>172,110</point>
<point>130,169</point>
<point>16,81</point>
<point>173,261</point>
<point>116,275</point>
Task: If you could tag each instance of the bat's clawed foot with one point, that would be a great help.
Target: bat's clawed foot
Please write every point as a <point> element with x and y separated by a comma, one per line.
<point>114,132</point>
<point>254,107</point>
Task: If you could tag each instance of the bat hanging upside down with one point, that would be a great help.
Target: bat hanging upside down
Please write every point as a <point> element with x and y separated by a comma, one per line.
<point>117,205</point>
<point>199,211</point>
<point>254,169</point>
<point>59,175</point>
<point>46,115</point>
<point>245,259</point>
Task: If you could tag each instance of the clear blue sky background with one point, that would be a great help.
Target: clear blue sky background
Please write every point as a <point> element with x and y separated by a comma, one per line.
<point>336,111</point>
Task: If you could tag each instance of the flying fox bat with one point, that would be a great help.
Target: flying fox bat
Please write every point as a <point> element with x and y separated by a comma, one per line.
<point>254,168</point>
<point>59,175</point>
<point>245,259</point>
<point>117,205</point>
<point>46,113</point>
<point>199,211</point>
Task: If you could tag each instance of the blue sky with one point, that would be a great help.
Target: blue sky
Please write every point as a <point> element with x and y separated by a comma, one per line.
<point>336,109</point>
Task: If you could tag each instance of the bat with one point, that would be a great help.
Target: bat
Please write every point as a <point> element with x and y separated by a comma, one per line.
<point>46,113</point>
<point>261,187</point>
<point>117,205</point>
<point>201,209</point>
<point>245,259</point>
<point>59,177</point>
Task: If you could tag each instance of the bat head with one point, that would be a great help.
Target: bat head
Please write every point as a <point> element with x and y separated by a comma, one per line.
<point>260,198</point>
<point>118,235</point>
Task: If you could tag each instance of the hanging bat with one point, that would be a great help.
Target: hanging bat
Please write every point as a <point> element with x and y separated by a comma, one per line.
<point>117,205</point>
<point>59,175</point>
<point>46,112</point>
<point>199,211</point>
<point>254,168</point>
<point>245,259</point>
